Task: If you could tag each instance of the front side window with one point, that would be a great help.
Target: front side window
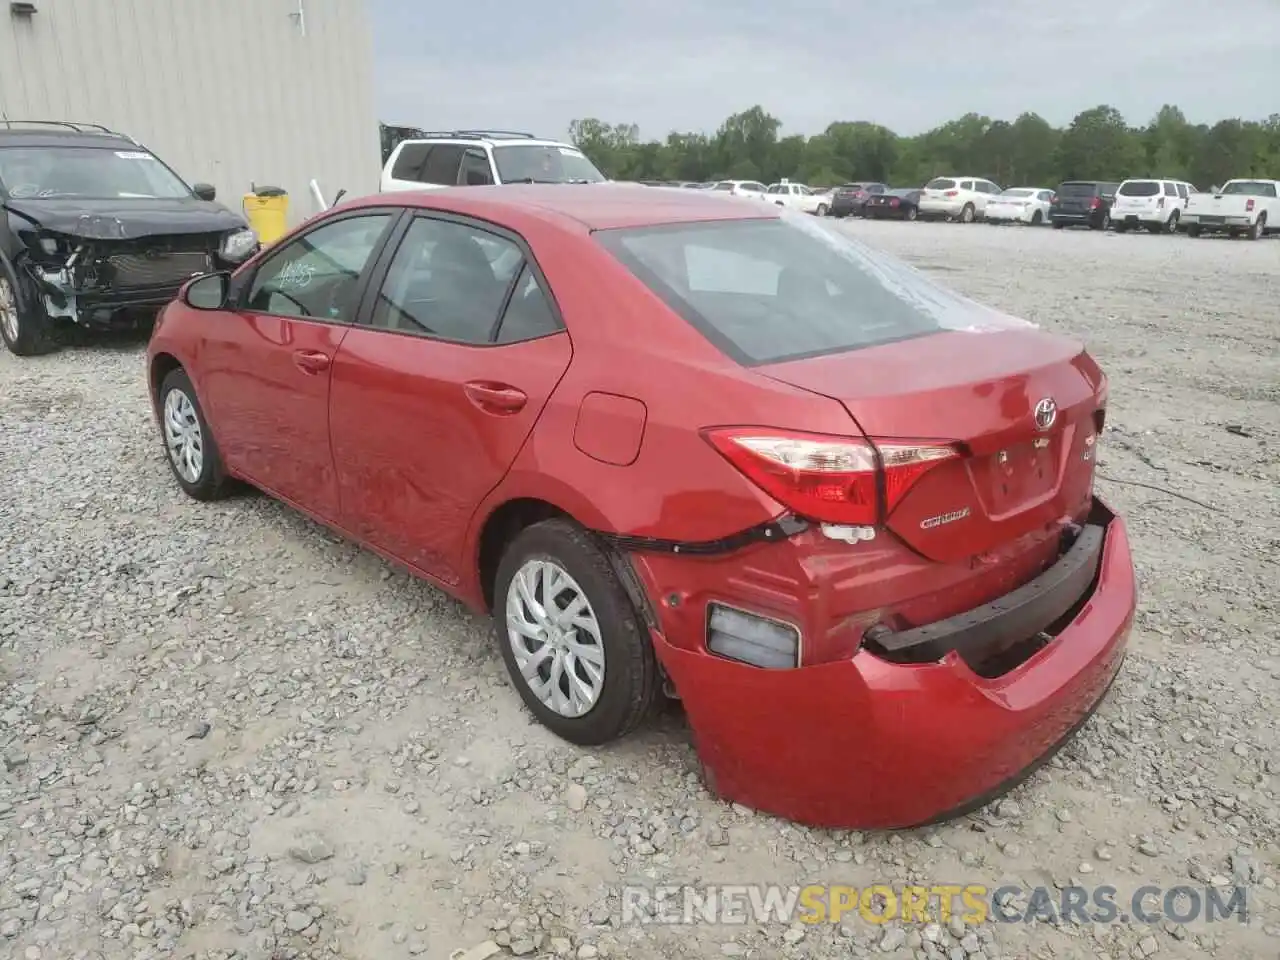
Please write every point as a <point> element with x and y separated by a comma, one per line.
<point>87,173</point>
<point>769,290</point>
<point>317,275</point>
<point>475,170</point>
<point>442,283</point>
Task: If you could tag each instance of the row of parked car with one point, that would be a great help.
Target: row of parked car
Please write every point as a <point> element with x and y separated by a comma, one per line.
<point>1248,207</point>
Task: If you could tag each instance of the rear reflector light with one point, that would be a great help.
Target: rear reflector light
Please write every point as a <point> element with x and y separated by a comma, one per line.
<point>1095,203</point>
<point>952,193</point>
<point>748,638</point>
<point>1248,205</point>
<point>838,480</point>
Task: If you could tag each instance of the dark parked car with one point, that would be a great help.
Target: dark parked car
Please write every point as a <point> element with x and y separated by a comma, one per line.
<point>1083,203</point>
<point>97,232</point>
<point>851,198</point>
<point>865,629</point>
<point>895,204</point>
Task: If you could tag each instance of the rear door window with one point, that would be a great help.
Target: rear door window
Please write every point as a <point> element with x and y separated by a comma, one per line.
<point>442,164</point>
<point>409,162</point>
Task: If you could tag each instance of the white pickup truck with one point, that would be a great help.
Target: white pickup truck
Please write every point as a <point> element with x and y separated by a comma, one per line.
<point>796,196</point>
<point>1250,207</point>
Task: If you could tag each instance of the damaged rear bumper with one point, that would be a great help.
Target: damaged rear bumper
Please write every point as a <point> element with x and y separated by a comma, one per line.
<point>879,741</point>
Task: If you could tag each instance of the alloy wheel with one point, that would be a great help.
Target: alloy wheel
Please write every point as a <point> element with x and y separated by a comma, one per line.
<point>555,637</point>
<point>183,437</point>
<point>8,311</point>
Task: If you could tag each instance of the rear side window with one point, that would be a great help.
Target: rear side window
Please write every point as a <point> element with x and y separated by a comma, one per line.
<point>529,313</point>
<point>1182,190</point>
<point>940,183</point>
<point>723,186</point>
<point>409,162</point>
<point>767,290</point>
<point>1139,188</point>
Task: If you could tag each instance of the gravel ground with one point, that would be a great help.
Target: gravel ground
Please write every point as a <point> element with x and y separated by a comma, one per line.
<point>225,733</point>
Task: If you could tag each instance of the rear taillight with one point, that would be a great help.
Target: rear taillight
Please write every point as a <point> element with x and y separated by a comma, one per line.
<point>952,193</point>
<point>1054,198</point>
<point>1248,205</point>
<point>1095,203</point>
<point>837,480</point>
<point>893,202</point>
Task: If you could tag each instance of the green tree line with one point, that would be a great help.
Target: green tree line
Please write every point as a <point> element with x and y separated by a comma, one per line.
<point>1097,144</point>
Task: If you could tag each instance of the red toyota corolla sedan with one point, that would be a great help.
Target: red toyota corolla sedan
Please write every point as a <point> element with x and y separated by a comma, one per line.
<point>677,442</point>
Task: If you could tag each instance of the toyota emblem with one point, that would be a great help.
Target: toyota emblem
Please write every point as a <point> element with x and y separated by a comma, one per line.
<point>1046,413</point>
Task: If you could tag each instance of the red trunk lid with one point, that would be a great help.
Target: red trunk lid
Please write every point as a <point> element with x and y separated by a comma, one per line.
<point>979,391</point>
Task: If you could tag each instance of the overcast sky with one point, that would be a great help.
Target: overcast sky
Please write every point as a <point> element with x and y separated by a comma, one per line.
<point>909,64</point>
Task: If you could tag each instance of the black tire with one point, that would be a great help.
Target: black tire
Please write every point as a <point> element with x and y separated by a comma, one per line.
<point>1037,218</point>
<point>1193,230</point>
<point>211,483</point>
<point>967,213</point>
<point>822,210</point>
<point>1058,225</point>
<point>1102,224</point>
<point>1259,228</point>
<point>1122,228</point>
<point>34,334</point>
<point>1171,225</point>
<point>631,679</point>
<point>912,213</point>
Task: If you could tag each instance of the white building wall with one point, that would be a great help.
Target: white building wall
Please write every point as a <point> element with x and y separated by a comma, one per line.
<point>228,92</point>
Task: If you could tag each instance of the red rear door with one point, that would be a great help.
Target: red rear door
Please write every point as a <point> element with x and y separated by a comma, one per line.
<point>1022,408</point>
<point>432,398</point>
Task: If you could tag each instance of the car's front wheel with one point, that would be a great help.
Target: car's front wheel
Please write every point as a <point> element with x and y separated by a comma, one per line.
<point>822,210</point>
<point>189,447</point>
<point>572,642</point>
<point>24,327</point>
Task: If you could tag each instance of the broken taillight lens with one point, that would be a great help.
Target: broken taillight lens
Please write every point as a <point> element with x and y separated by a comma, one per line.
<point>838,480</point>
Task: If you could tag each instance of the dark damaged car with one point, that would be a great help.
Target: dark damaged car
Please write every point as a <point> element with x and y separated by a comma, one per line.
<point>97,232</point>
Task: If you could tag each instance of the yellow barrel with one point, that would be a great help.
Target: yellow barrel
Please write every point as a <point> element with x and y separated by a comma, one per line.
<point>267,215</point>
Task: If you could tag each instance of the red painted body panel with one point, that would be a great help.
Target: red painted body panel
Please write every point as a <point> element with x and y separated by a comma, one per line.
<point>861,743</point>
<point>410,445</point>
<point>415,455</point>
<point>271,414</point>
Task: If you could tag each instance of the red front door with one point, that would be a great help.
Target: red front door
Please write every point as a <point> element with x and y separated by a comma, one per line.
<point>266,367</point>
<point>433,398</point>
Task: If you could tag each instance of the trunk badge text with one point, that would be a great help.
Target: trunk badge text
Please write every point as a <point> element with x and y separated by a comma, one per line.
<point>942,518</point>
<point>1046,413</point>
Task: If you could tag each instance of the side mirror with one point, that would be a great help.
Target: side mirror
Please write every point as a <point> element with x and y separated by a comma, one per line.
<point>209,292</point>
<point>205,191</point>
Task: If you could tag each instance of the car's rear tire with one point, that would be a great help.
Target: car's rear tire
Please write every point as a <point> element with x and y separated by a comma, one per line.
<point>822,210</point>
<point>1171,225</point>
<point>1122,228</point>
<point>1058,225</point>
<point>967,213</point>
<point>912,213</point>
<point>1259,227</point>
<point>602,655</point>
<point>25,328</point>
<point>1193,230</point>
<point>189,446</point>
<point>1037,218</point>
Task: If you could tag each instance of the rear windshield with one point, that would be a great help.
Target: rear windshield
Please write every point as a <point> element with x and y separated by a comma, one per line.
<point>1139,188</point>
<point>1078,189</point>
<point>768,290</point>
<point>1017,192</point>
<point>940,184</point>
<point>1255,188</point>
